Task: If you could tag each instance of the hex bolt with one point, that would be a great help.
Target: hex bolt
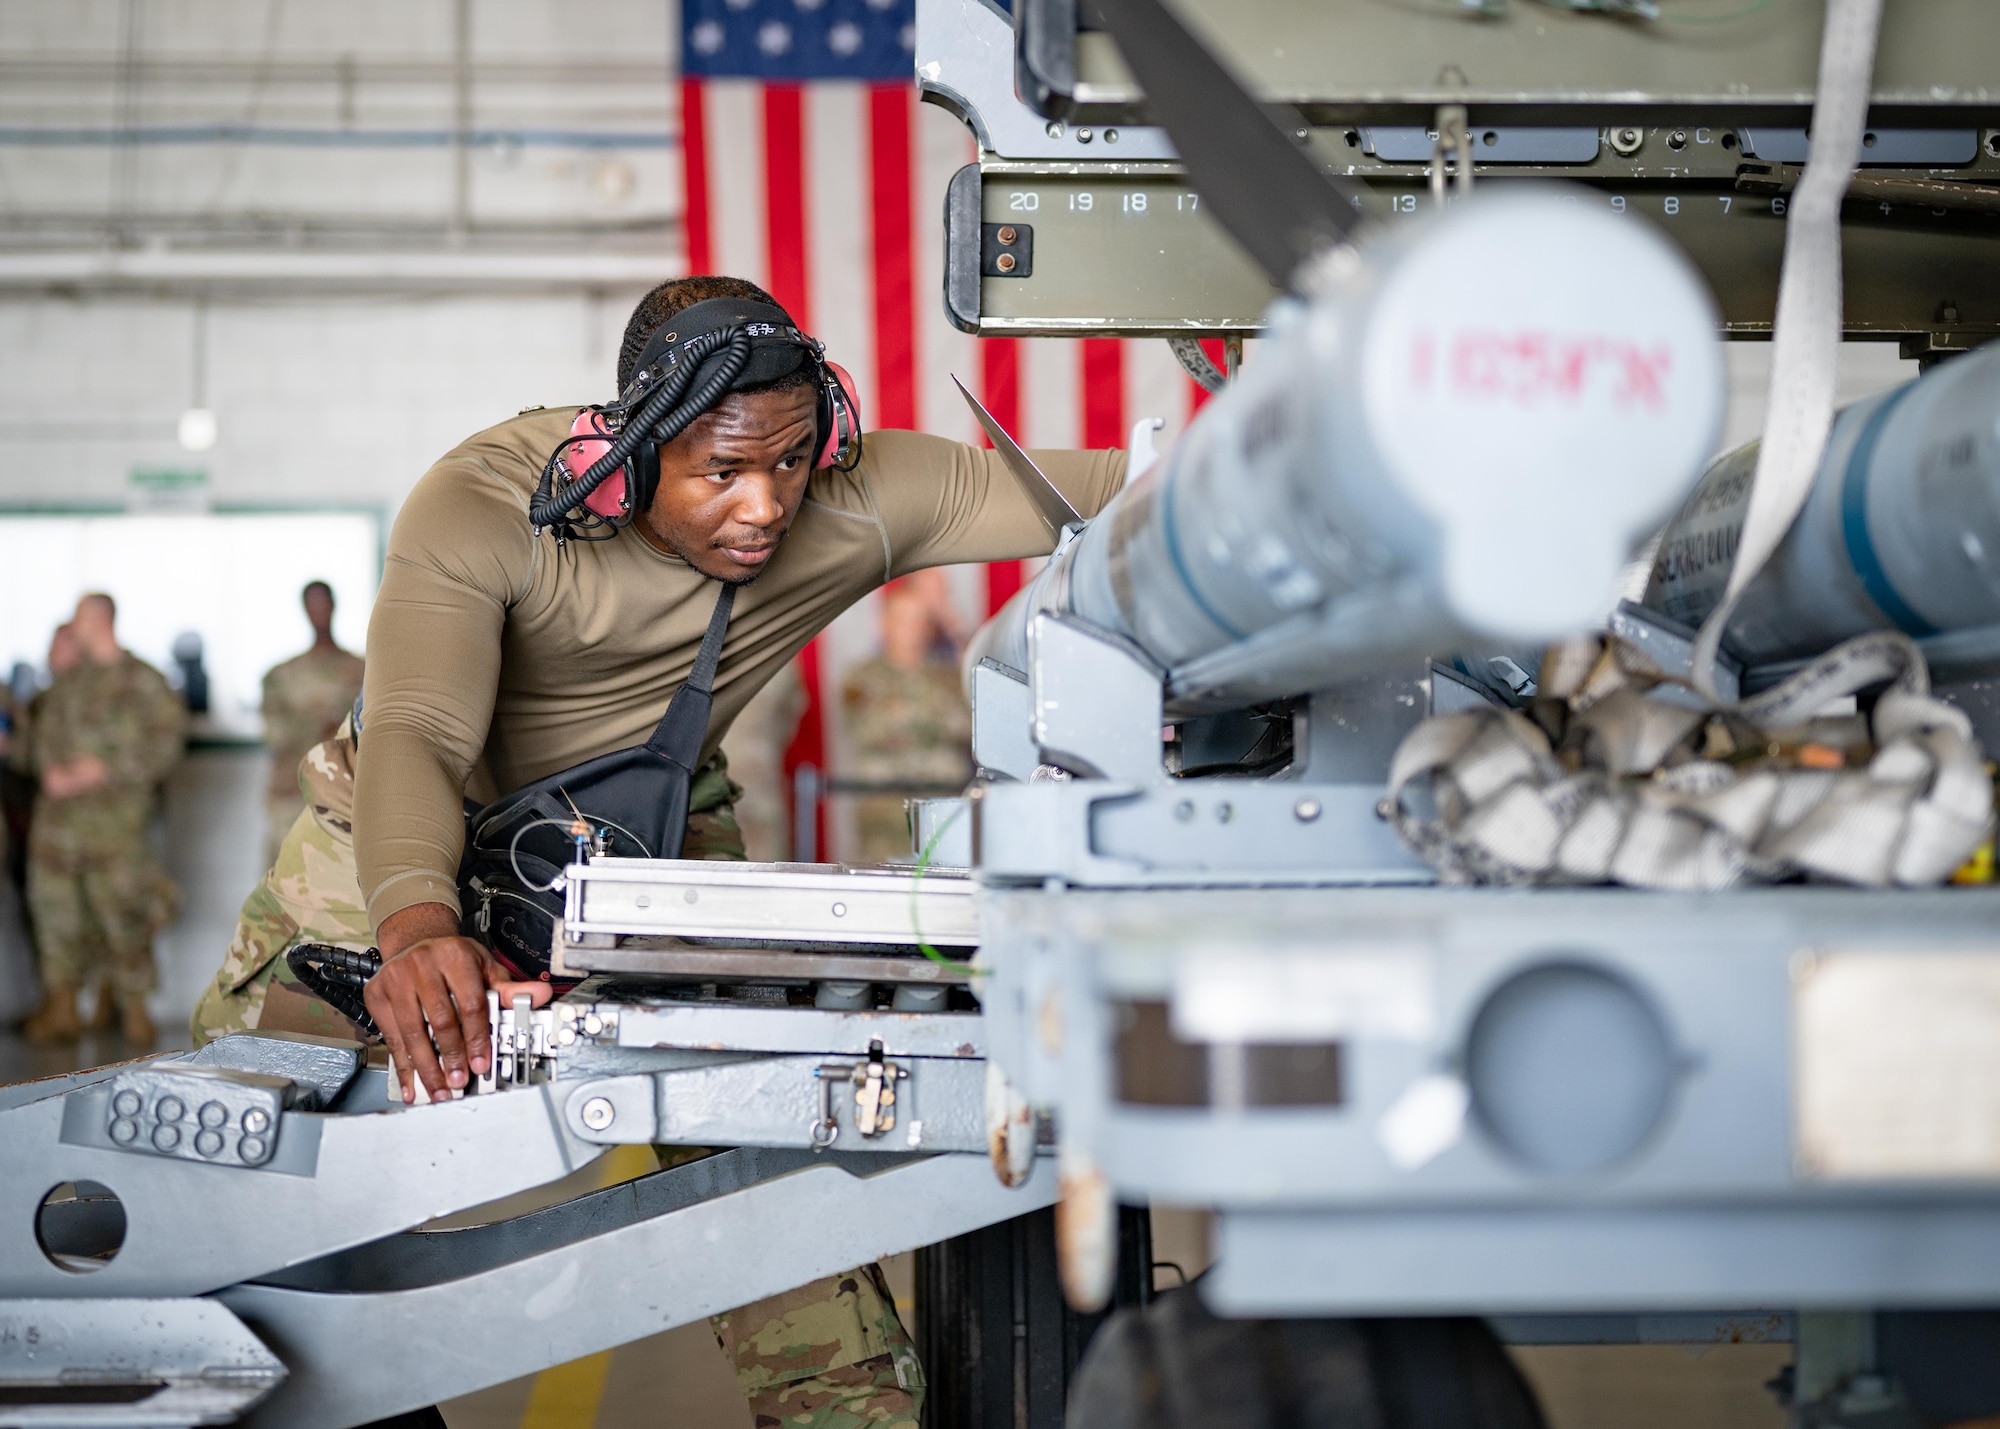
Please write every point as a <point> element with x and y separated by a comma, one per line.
<point>1184,810</point>
<point>1111,136</point>
<point>1306,810</point>
<point>1005,263</point>
<point>1628,139</point>
<point>1677,140</point>
<point>1083,136</point>
<point>1007,234</point>
<point>598,1113</point>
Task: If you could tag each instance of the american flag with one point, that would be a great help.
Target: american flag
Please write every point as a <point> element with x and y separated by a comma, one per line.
<point>812,169</point>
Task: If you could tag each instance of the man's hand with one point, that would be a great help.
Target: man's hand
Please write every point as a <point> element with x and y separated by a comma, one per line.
<point>429,999</point>
<point>77,776</point>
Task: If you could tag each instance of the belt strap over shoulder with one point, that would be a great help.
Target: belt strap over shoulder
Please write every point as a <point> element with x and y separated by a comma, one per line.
<point>679,735</point>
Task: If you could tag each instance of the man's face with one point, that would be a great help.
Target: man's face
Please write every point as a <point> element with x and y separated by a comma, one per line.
<point>731,483</point>
<point>319,607</point>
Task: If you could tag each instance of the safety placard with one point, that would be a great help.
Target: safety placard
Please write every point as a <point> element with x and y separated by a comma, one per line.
<point>1896,1064</point>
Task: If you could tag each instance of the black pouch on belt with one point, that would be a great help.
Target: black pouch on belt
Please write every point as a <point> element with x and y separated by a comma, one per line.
<point>635,802</point>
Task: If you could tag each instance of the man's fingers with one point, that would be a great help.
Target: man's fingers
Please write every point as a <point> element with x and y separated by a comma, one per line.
<point>399,1061</point>
<point>442,1015</point>
<point>464,977</point>
<point>404,989</point>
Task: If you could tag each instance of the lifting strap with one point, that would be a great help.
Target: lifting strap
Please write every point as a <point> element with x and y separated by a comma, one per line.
<point>1625,774</point>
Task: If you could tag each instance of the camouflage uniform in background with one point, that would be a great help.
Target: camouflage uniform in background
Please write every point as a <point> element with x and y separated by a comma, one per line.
<point>305,699</point>
<point>909,726</point>
<point>95,891</point>
<point>829,1355</point>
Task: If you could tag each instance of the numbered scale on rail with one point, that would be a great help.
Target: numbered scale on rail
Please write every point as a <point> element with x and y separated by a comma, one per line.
<point>1130,248</point>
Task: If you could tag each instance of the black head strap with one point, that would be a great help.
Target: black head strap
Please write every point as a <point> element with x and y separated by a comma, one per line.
<point>777,347</point>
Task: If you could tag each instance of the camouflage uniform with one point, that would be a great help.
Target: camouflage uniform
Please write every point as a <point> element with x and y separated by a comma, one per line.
<point>821,1360</point>
<point>829,1355</point>
<point>911,726</point>
<point>305,699</point>
<point>95,891</point>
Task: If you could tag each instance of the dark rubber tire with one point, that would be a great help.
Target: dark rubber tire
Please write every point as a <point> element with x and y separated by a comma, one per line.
<point>1174,1365</point>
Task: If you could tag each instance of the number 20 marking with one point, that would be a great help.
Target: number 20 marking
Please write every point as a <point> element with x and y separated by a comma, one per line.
<point>1024,202</point>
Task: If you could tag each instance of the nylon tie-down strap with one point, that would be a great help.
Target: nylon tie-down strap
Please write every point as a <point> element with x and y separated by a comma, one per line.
<point>1764,789</point>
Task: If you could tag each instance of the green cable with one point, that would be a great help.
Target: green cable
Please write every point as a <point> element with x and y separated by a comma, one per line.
<point>924,862</point>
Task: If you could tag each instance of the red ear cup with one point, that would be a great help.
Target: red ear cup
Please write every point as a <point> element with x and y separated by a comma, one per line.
<point>578,457</point>
<point>843,429</point>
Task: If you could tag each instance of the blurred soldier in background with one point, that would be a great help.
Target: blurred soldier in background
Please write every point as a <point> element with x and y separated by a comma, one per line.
<point>99,741</point>
<point>906,718</point>
<point>305,699</point>
<point>755,746</point>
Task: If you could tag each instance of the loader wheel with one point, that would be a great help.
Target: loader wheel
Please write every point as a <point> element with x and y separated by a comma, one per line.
<point>1173,1365</point>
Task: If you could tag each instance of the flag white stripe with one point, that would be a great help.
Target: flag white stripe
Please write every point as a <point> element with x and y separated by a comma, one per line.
<point>840,251</point>
<point>735,132</point>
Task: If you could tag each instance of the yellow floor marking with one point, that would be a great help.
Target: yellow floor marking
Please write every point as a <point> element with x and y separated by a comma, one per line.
<point>567,1396</point>
<point>626,1163</point>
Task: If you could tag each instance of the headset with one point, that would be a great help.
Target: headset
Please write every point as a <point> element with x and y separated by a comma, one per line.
<point>606,470</point>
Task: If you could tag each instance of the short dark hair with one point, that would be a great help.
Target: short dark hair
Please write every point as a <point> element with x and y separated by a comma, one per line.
<point>676,295</point>
<point>312,586</point>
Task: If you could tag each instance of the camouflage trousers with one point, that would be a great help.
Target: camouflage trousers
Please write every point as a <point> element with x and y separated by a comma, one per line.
<point>98,919</point>
<point>829,1355</point>
<point>281,811</point>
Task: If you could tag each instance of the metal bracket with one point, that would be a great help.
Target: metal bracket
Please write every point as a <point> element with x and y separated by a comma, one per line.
<point>965,63</point>
<point>874,1097</point>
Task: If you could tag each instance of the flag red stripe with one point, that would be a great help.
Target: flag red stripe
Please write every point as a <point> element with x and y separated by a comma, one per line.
<point>785,216</point>
<point>694,160</point>
<point>892,176</point>
<point>1000,390</point>
<point>1103,392</point>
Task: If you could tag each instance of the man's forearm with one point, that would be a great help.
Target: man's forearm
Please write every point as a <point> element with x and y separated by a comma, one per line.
<point>413,925</point>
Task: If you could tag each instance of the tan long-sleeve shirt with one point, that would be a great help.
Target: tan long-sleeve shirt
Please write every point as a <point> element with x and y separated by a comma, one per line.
<point>496,658</point>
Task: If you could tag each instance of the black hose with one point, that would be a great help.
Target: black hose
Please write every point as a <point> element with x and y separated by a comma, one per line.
<point>661,416</point>
<point>337,976</point>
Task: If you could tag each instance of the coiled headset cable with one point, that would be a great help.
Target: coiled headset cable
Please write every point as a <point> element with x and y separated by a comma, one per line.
<point>661,415</point>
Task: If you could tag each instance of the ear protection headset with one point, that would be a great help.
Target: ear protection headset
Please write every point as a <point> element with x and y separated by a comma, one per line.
<point>608,467</point>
